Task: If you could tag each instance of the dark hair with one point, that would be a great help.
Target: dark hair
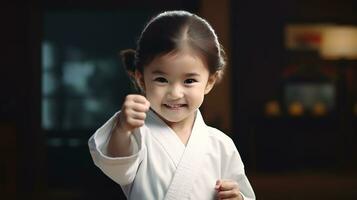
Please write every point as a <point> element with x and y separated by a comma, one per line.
<point>170,31</point>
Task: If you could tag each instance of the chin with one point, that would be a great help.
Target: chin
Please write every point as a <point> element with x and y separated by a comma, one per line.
<point>170,119</point>
<point>173,116</point>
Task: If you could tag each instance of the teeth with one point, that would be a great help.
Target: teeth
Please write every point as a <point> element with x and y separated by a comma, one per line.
<point>174,105</point>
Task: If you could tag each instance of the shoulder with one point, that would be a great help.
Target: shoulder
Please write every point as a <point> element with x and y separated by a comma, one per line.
<point>217,134</point>
<point>224,147</point>
<point>219,138</point>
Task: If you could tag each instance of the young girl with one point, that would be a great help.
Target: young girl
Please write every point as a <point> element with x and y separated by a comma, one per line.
<point>158,146</point>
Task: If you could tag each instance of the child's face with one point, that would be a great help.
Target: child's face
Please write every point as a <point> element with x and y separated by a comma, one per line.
<point>175,85</point>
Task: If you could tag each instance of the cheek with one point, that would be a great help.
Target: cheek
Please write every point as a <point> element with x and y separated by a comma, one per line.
<point>153,94</point>
<point>197,94</point>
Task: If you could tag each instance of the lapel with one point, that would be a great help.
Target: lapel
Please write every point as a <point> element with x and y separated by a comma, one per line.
<point>168,139</point>
<point>189,166</point>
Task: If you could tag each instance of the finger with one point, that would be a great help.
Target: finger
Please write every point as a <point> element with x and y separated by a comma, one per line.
<point>135,123</point>
<point>131,114</point>
<point>140,99</point>
<point>147,104</point>
<point>139,107</point>
<point>228,185</point>
<point>130,106</point>
<point>139,115</point>
<point>218,184</point>
<point>228,194</point>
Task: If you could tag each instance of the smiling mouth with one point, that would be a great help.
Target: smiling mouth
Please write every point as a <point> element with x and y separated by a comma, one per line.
<point>175,106</point>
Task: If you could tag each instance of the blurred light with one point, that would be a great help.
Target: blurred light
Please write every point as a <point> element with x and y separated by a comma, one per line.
<point>296,109</point>
<point>272,108</point>
<point>339,42</point>
<point>319,109</point>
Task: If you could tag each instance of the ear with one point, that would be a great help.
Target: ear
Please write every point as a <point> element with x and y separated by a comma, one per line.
<point>139,78</point>
<point>210,83</point>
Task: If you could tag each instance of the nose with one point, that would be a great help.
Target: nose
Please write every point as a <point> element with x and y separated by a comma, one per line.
<point>175,92</point>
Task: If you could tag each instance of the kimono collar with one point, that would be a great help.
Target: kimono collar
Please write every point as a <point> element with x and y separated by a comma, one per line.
<point>169,139</point>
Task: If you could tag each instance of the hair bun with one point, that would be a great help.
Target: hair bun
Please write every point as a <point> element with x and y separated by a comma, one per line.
<point>128,59</point>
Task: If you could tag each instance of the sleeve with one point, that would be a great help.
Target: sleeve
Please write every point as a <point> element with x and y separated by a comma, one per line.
<point>122,170</point>
<point>235,171</point>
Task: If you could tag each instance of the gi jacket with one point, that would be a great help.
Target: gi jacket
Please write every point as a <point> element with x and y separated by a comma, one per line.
<point>162,167</point>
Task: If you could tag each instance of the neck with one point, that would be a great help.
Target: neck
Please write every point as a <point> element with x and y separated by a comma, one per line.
<point>183,129</point>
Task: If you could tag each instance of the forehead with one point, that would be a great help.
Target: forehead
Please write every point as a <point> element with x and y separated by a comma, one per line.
<point>178,62</point>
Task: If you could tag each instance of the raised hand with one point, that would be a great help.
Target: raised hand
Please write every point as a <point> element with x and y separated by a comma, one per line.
<point>132,115</point>
<point>133,112</point>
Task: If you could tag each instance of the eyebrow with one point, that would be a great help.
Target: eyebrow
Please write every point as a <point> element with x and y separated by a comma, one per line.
<point>158,72</point>
<point>192,74</point>
<point>163,73</point>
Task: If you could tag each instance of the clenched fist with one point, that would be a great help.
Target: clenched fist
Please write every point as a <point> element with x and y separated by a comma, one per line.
<point>133,112</point>
<point>132,115</point>
<point>228,189</point>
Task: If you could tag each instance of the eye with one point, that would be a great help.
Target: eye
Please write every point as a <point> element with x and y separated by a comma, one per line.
<point>160,80</point>
<point>190,81</point>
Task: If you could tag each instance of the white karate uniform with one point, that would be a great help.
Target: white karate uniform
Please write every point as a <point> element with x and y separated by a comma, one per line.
<point>162,167</point>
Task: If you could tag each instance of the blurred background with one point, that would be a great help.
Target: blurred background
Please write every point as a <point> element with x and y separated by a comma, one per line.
<point>288,98</point>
